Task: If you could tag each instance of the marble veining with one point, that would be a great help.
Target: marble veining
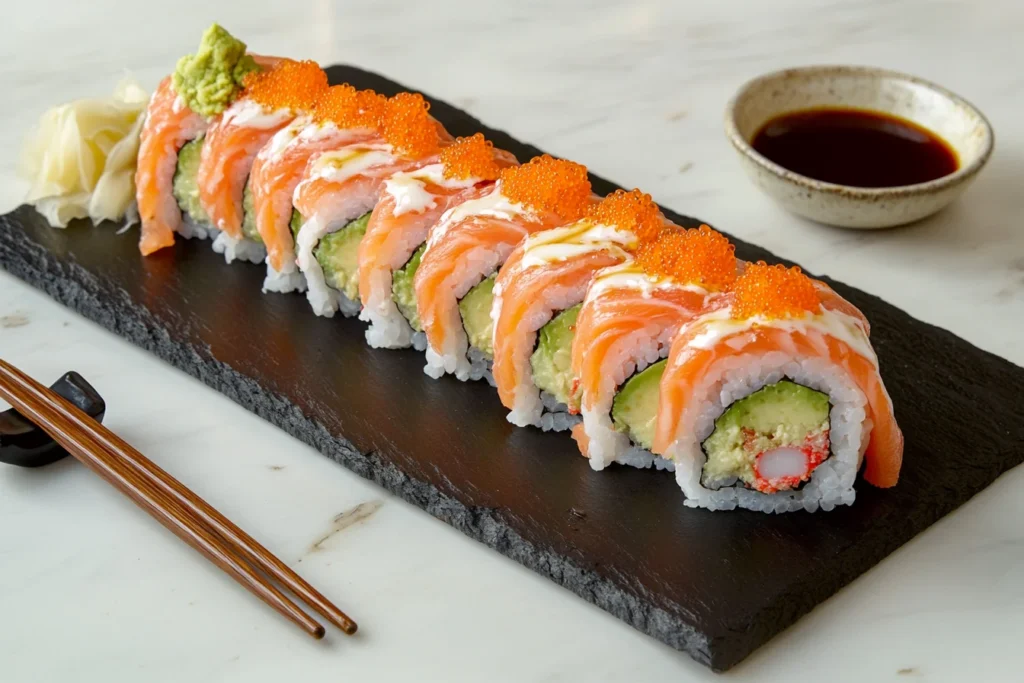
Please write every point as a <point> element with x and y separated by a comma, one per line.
<point>635,90</point>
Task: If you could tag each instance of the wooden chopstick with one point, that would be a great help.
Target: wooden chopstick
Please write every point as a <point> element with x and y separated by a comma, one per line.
<point>166,499</point>
<point>255,553</point>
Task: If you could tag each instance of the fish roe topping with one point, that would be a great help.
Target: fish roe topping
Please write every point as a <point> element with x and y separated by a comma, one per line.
<point>407,126</point>
<point>774,292</point>
<point>288,85</point>
<point>700,256</point>
<point>471,157</point>
<point>631,211</point>
<point>346,107</point>
<point>548,184</point>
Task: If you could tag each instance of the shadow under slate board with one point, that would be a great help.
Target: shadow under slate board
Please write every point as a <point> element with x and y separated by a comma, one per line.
<point>715,585</point>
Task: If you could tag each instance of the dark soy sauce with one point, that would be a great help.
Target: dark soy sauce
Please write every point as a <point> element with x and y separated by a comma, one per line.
<point>855,147</point>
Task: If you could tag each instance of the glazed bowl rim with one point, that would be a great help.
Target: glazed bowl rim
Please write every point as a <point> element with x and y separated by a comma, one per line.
<point>964,172</point>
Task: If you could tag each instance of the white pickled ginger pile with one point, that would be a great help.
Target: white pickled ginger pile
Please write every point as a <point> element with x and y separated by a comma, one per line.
<point>81,157</point>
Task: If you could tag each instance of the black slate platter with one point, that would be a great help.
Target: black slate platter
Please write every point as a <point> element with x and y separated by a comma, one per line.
<point>715,585</point>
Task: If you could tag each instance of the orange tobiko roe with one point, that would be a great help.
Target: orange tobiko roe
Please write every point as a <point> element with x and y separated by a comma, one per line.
<point>471,157</point>
<point>699,256</point>
<point>346,107</point>
<point>547,184</point>
<point>287,85</point>
<point>631,211</point>
<point>407,126</point>
<point>774,292</point>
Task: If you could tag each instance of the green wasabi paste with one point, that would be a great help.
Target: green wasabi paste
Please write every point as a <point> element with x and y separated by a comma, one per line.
<point>211,79</point>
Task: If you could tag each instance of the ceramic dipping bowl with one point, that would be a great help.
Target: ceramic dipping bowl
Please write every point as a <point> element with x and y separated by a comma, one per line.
<point>950,117</point>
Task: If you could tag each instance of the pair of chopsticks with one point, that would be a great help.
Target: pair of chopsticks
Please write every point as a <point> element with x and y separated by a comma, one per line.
<point>168,501</point>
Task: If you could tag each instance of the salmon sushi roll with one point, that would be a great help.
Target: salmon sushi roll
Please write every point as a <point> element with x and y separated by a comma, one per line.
<point>342,116</point>
<point>454,282</point>
<point>771,400</point>
<point>625,328</point>
<point>271,100</point>
<point>177,117</point>
<point>396,234</point>
<point>537,296</point>
<point>339,190</point>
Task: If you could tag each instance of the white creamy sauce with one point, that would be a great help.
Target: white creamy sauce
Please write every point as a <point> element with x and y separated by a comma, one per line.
<point>630,276</point>
<point>719,325</point>
<point>409,188</point>
<point>494,205</point>
<point>348,162</point>
<point>247,113</point>
<point>285,137</point>
<point>345,163</point>
<point>578,239</point>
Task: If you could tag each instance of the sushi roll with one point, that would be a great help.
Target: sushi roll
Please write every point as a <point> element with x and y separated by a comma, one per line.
<point>339,190</point>
<point>271,100</point>
<point>455,279</point>
<point>624,330</point>
<point>537,296</point>
<point>396,235</point>
<point>771,399</point>
<point>178,115</point>
<point>342,116</point>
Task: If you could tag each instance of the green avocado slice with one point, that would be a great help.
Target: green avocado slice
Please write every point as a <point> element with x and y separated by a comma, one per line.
<point>552,359</point>
<point>185,186</point>
<point>403,289</point>
<point>635,407</point>
<point>475,308</point>
<point>338,255</point>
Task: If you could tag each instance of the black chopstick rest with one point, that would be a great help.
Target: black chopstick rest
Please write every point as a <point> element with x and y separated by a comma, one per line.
<point>26,445</point>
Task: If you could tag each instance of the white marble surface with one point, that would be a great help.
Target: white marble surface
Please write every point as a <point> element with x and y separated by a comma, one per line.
<point>92,589</point>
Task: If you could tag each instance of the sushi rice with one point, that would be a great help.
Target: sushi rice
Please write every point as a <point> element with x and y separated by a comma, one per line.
<point>735,377</point>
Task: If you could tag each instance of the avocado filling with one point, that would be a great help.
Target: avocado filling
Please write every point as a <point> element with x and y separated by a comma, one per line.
<point>552,359</point>
<point>476,316</point>
<point>771,440</point>
<point>403,289</point>
<point>295,224</point>
<point>185,185</point>
<point>338,255</point>
<point>635,407</point>
<point>249,215</point>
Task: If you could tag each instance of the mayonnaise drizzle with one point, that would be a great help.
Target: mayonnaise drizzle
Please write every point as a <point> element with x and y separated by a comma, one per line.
<point>494,204</point>
<point>409,188</point>
<point>285,137</point>
<point>578,239</point>
<point>245,112</point>
<point>342,164</point>
<point>718,325</point>
<point>630,276</point>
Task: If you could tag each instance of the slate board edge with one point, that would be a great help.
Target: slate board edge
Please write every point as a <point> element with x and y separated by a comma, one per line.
<point>109,307</point>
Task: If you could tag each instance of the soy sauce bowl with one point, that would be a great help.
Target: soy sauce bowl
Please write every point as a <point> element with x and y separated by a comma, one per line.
<point>963,128</point>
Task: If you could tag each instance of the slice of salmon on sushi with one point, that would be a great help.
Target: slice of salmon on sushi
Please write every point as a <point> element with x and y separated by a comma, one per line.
<point>390,251</point>
<point>537,296</point>
<point>177,118</point>
<point>339,190</point>
<point>626,324</point>
<point>455,279</point>
<point>271,100</point>
<point>772,400</point>
<point>342,116</point>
